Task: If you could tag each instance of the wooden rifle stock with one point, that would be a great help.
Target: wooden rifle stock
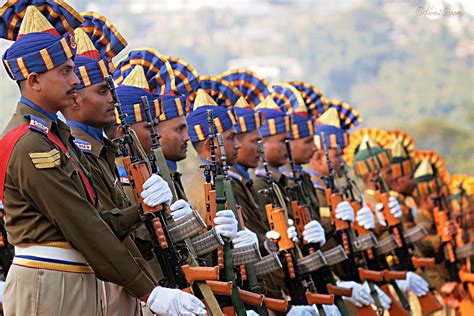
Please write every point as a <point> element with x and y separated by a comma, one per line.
<point>278,222</point>
<point>220,288</point>
<point>423,262</point>
<point>333,200</point>
<point>276,305</point>
<point>370,275</point>
<point>389,275</point>
<point>446,238</point>
<point>301,216</point>
<point>251,298</point>
<point>395,308</point>
<point>429,304</point>
<point>338,290</point>
<point>315,298</point>
<point>200,273</point>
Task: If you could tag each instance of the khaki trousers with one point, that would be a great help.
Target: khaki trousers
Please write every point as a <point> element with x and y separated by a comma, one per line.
<point>119,302</point>
<point>31,291</point>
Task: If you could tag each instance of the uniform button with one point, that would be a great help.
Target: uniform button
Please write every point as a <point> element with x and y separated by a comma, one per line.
<point>41,272</point>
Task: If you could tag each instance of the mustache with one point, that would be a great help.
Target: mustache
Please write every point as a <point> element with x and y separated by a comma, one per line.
<point>73,90</point>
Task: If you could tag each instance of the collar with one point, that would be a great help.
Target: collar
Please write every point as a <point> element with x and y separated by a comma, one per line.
<point>85,141</point>
<point>172,165</point>
<point>242,170</point>
<point>51,116</point>
<point>94,132</point>
<point>314,173</point>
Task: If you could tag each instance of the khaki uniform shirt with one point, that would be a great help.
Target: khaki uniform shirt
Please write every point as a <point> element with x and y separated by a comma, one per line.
<point>51,204</point>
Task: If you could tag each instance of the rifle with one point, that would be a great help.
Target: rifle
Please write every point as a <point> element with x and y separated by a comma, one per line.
<point>216,183</point>
<point>158,163</point>
<point>297,278</point>
<point>301,206</point>
<point>164,250</point>
<point>246,256</point>
<point>396,229</point>
<point>6,250</point>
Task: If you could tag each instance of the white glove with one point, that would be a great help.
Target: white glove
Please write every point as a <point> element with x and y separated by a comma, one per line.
<point>156,191</point>
<point>226,224</point>
<point>345,211</point>
<point>385,301</point>
<point>303,310</point>
<point>314,233</point>
<point>360,295</point>
<point>245,238</point>
<point>365,218</point>
<point>331,310</point>
<point>394,207</point>
<point>174,302</point>
<point>251,313</point>
<point>179,209</point>
<point>414,283</point>
<point>291,231</point>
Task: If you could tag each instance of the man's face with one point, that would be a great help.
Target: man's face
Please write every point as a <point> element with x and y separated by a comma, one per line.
<point>275,149</point>
<point>319,158</point>
<point>387,175</point>
<point>232,146</point>
<point>143,134</point>
<point>405,184</point>
<point>57,87</point>
<point>248,154</point>
<point>174,138</point>
<point>96,105</point>
<point>303,149</point>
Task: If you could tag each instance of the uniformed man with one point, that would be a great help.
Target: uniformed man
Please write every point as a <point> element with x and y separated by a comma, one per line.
<point>334,125</point>
<point>52,213</point>
<point>366,162</point>
<point>403,183</point>
<point>274,131</point>
<point>92,111</point>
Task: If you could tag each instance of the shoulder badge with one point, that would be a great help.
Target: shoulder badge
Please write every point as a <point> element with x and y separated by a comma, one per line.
<point>318,185</point>
<point>236,176</point>
<point>84,146</point>
<point>286,172</point>
<point>123,175</point>
<point>46,160</point>
<point>37,124</point>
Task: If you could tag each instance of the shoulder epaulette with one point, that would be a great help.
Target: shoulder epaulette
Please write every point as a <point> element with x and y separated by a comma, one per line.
<point>260,172</point>
<point>123,175</point>
<point>236,176</point>
<point>84,146</point>
<point>38,124</point>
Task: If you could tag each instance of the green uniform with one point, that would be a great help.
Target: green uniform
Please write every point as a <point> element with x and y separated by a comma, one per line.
<point>101,158</point>
<point>49,203</point>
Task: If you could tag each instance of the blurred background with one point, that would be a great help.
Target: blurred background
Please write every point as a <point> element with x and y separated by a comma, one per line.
<point>405,65</point>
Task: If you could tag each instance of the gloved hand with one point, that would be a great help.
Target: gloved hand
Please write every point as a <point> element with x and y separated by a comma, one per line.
<point>292,234</point>
<point>179,209</point>
<point>303,310</point>
<point>345,211</point>
<point>360,295</point>
<point>156,191</point>
<point>365,218</point>
<point>385,301</point>
<point>226,224</point>
<point>174,302</point>
<point>314,232</point>
<point>331,310</point>
<point>244,238</point>
<point>393,205</point>
<point>251,313</point>
<point>414,283</point>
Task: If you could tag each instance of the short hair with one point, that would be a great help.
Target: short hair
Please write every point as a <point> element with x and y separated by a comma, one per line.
<point>198,145</point>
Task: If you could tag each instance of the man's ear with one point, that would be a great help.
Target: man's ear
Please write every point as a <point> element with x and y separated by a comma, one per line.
<point>119,131</point>
<point>318,156</point>
<point>33,81</point>
<point>207,144</point>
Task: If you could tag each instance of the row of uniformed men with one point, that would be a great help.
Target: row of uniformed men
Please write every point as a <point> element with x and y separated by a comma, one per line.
<point>66,211</point>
